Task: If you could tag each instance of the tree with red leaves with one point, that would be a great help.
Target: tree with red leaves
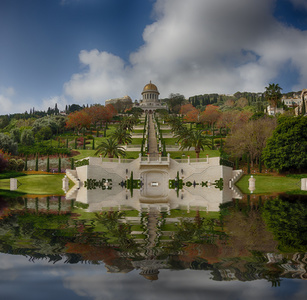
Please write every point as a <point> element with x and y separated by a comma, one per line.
<point>78,120</point>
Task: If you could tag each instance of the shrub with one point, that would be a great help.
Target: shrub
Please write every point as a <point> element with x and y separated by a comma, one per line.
<point>3,163</point>
<point>7,144</point>
<point>15,134</point>
<point>45,133</point>
<point>27,137</point>
<point>16,165</point>
<point>42,150</point>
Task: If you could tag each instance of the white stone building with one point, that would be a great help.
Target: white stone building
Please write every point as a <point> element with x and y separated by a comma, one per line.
<point>150,99</point>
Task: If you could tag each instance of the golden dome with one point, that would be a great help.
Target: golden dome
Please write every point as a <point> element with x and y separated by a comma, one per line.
<point>150,87</point>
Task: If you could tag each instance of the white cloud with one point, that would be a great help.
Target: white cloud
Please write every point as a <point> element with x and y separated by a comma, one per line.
<point>198,46</point>
<point>50,102</point>
<point>300,3</point>
<point>6,105</point>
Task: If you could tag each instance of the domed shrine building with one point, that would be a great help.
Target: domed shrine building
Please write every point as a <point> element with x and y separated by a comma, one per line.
<point>150,99</point>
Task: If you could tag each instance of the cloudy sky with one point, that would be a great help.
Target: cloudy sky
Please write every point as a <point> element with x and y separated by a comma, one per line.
<point>87,51</point>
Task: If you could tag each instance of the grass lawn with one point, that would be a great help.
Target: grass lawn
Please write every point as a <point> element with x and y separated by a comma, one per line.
<point>84,153</point>
<point>171,141</point>
<point>138,131</point>
<point>267,184</point>
<point>38,184</point>
<point>136,141</point>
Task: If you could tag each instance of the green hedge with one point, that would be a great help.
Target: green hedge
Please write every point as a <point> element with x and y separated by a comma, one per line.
<point>41,150</point>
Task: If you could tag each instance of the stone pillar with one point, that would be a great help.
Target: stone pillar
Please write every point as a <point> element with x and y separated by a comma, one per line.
<point>119,159</point>
<point>304,184</point>
<point>188,159</point>
<point>13,184</point>
<point>252,184</point>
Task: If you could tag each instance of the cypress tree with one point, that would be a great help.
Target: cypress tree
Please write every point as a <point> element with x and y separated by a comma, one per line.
<point>66,143</point>
<point>26,163</point>
<point>93,145</point>
<point>72,165</point>
<point>248,165</point>
<point>59,168</point>
<point>83,143</point>
<point>48,167</point>
<point>76,143</point>
<point>260,165</point>
<point>36,162</point>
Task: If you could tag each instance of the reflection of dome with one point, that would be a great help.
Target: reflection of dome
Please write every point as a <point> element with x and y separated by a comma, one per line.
<point>150,87</point>
<point>150,274</point>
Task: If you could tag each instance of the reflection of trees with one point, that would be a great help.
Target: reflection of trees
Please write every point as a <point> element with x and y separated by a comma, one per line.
<point>234,247</point>
<point>287,221</point>
<point>200,230</point>
<point>117,233</point>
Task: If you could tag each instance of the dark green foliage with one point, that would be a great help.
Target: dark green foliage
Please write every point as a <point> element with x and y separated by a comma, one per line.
<point>72,163</point>
<point>15,134</point>
<point>287,148</point>
<point>7,144</point>
<point>11,174</point>
<point>42,150</point>
<point>27,137</point>
<point>83,162</point>
<point>286,218</point>
<point>44,133</point>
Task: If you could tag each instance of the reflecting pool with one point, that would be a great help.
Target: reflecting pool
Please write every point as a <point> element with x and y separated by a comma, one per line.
<point>55,248</point>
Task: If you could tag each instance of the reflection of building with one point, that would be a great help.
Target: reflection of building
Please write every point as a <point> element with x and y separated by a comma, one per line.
<point>150,98</point>
<point>163,183</point>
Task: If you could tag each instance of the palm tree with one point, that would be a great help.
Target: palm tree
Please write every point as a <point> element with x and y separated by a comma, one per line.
<point>273,94</point>
<point>127,122</point>
<point>110,148</point>
<point>193,138</point>
<point>122,136</point>
<point>176,123</point>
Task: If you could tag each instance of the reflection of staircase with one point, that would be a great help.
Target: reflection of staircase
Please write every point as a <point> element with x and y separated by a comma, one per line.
<point>236,175</point>
<point>72,175</point>
<point>152,226</point>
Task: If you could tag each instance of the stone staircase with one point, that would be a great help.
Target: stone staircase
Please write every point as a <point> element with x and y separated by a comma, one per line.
<point>72,175</point>
<point>236,175</point>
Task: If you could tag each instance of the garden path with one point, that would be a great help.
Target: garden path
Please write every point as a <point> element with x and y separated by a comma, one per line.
<point>152,139</point>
